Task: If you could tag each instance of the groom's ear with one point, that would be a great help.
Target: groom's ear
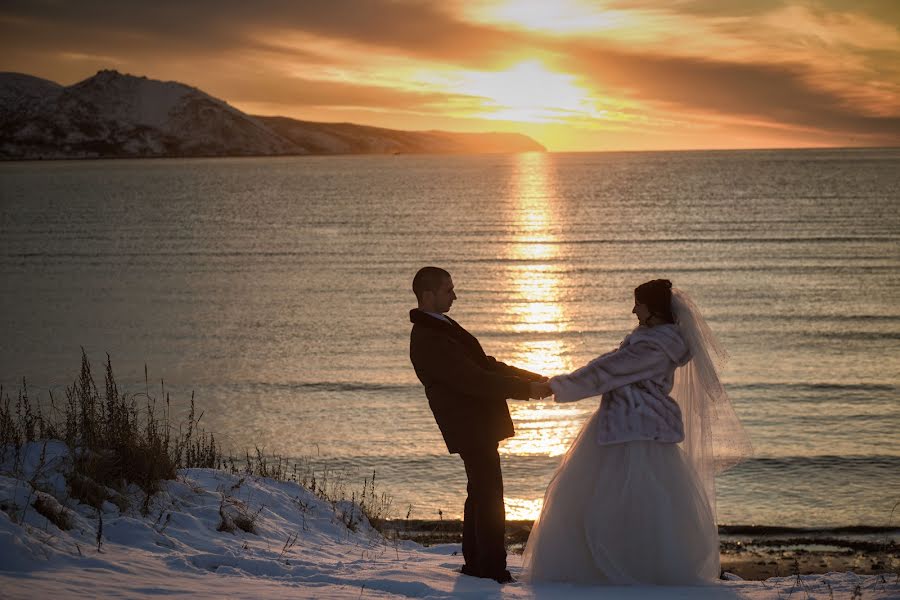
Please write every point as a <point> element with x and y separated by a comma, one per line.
<point>426,298</point>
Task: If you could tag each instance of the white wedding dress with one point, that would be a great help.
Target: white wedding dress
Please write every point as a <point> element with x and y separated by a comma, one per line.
<point>628,505</point>
<point>627,513</point>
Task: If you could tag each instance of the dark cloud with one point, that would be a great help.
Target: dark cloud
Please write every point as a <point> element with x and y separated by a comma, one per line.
<point>299,92</point>
<point>211,43</point>
<point>778,93</point>
<point>885,11</point>
<point>414,28</point>
<point>701,8</point>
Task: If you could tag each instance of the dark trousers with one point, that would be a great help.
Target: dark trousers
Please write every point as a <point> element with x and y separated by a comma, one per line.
<point>484,520</point>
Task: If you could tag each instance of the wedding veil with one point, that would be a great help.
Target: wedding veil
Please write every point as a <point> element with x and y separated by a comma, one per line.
<point>714,438</point>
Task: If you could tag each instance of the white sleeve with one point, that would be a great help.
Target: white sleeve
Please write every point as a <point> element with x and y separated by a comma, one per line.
<point>635,362</point>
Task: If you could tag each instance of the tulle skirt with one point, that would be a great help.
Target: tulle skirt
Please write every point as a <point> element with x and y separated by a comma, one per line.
<point>630,513</point>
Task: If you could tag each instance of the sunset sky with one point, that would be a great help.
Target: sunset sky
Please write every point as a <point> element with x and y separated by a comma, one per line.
<point>573,74</point>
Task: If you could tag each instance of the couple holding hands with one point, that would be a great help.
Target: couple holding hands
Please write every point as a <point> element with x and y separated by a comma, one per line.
<point>633,499</point>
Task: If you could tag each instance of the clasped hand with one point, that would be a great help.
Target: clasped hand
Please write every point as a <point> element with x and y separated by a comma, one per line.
<point>539,389</point>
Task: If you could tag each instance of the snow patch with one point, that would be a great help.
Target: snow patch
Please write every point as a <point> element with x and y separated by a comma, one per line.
<point>300,549</point>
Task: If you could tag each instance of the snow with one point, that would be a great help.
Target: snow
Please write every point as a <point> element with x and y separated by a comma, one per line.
<point>124,115</point>
<point>18,91</point>
<point>133,99</point>
<point>300,548</point>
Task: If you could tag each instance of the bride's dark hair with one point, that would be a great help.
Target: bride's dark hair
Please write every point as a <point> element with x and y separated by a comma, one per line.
<point>657,295</point>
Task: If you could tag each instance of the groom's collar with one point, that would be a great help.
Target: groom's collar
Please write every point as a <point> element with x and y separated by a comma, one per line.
<point>448,327</point>
<point>420,317</point>
<point>439,316</point>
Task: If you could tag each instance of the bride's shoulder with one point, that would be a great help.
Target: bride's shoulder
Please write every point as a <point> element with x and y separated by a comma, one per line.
<point>666,335</point>
<point>642,332</point>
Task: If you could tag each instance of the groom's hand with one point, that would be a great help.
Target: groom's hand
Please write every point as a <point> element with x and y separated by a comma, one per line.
<point>539,389</point>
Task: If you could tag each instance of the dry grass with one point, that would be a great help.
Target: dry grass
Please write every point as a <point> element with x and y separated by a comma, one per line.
<point>114,438</point>
<point>47,506</point>
<point>375,506</point>
<point>117,439</point>
<point>234,515</point>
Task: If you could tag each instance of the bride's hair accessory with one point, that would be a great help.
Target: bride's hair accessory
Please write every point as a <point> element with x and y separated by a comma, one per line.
<point>714,437</point>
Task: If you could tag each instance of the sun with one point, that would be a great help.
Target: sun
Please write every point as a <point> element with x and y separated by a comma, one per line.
<point>526,92</point>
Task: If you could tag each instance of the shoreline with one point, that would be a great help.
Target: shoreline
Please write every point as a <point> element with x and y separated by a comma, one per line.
<point>752,552</point>
<point>9,159</point>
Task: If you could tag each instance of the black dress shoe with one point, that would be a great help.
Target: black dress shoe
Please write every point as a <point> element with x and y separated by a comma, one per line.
<point>470,571</point>
<point>503,577</point>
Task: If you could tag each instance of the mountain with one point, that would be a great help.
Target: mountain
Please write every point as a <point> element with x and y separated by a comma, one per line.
<point>347,138</point>
<point>111,115</point>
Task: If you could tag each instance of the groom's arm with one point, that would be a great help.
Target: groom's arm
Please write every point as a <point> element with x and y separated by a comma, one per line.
<point>501,367</point>
<point>444,361</point>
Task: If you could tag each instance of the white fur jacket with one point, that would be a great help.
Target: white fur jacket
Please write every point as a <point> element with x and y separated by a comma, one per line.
<point>635,382</point>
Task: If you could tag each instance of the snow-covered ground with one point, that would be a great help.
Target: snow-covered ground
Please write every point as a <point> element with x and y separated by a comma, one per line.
<point>300,547</point>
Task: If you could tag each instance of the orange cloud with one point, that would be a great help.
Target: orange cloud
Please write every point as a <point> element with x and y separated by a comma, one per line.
<point>574,74</point>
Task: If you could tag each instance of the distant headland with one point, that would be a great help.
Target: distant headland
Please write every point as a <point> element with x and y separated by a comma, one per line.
<point>114,115</point>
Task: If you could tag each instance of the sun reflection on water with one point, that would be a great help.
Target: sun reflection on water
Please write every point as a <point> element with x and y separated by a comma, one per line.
<point>535,307</point>
<point>537,316</point>
<point>543,428</point>
<point>521,509</point>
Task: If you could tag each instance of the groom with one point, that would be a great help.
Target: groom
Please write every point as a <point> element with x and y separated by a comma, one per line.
<point>467,392</point>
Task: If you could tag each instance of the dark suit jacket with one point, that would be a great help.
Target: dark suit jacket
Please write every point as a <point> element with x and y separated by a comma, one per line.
<point>466,388</point>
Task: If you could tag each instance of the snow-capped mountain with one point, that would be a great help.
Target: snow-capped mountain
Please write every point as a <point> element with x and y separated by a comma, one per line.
<point>116,115</point>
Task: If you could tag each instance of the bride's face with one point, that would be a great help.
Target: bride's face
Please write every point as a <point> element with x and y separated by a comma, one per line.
<point>642,312</point>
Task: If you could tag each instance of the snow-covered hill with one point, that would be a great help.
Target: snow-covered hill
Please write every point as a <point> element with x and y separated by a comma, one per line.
<point>212,534</point>
<point>116,115</point>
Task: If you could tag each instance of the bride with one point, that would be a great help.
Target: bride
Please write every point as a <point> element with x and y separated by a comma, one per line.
<point>633,501</point>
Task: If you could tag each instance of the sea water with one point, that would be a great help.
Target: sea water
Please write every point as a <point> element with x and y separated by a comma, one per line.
<point>278,289</point>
